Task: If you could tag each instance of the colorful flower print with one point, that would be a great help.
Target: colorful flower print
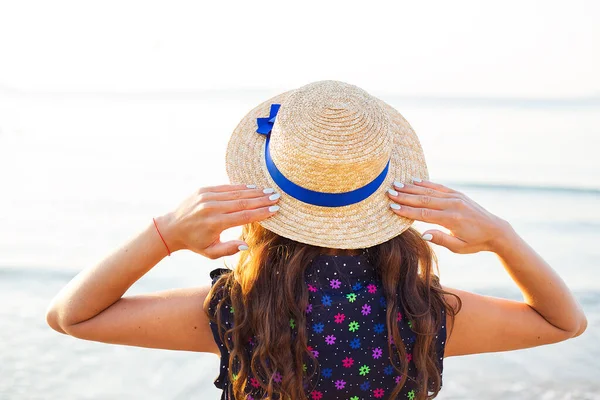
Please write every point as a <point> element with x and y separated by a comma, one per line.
<point>330,339</point>
<point>346,320</point>
<point>347,362</point>
<point>366,309</point>
<point>377,352</point>
<point>339,318</point>
<point>340,384</point>
<point>364,370</point>
<point>318,327</point>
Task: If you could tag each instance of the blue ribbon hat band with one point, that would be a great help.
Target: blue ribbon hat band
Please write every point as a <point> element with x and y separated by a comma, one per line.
<point>265,125</point>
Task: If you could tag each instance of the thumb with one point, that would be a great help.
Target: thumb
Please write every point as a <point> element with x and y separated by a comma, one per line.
<point>450,242</point>
<point>220,249</point>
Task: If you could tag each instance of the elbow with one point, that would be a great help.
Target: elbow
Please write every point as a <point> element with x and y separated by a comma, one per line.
<point>52,319</point>
<point>578,328</point>
<point>582,326</point>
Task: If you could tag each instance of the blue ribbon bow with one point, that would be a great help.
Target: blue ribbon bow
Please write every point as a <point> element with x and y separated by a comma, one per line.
<point>265,125</point>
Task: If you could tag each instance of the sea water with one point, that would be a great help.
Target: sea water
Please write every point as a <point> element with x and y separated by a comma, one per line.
<point>82,173</point>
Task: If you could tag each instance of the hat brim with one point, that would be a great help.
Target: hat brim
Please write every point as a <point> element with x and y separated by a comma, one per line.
<point>360,225</point>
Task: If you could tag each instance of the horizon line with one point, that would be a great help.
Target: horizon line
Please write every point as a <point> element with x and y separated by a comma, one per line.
<point>417,99</point>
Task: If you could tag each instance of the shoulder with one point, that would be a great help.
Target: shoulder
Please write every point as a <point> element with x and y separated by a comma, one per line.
<point>452,298</point>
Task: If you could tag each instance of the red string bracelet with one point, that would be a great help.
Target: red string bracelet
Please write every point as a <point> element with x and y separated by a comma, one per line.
<point>161,236</point>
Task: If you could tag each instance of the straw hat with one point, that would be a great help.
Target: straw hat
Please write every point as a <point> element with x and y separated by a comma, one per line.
<point>332,151</point>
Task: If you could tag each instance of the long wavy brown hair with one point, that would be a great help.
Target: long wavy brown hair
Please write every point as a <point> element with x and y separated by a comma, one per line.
<point>267,289</point>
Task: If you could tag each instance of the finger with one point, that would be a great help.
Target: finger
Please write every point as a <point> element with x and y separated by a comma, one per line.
<point>450,242</point>
<point>421,214</point>
<point>236,194</point>
<point>225,188</point>
<point>229,206</point>
<point>246,216</point>
<point>221,249</point>
<point>436,186</point>
<point>414,189</point>
<point>419,200</point>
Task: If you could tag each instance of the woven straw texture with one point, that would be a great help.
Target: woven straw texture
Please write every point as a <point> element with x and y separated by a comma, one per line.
<point>329,136</point>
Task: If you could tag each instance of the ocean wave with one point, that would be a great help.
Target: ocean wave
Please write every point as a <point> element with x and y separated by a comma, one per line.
<point>525,188</point>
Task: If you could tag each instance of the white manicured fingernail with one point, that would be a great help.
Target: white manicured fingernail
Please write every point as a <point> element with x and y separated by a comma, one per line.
<point>393,192</point>
<point>269,190</point>
<point>251,186</point>
<point>273,208</point>
<point>416,179</point>
<point>398,184</point>
<point>427,236</point>
<point>395,206</point>
<point>242,247</point>
<point>274,196</point>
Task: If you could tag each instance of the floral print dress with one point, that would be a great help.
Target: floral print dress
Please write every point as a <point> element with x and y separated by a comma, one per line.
<point>346,319</point>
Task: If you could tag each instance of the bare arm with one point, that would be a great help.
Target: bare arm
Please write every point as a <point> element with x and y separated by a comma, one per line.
<point>549,312</point>
<point>92,305</point>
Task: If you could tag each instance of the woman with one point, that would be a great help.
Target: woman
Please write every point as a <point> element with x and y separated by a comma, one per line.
<point>335,294</point>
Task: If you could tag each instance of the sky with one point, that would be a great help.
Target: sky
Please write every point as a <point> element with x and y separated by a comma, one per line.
<point>515,49</point>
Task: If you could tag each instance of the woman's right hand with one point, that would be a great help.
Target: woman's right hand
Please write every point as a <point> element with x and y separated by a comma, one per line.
<point>197,223</point>
<point>549,312</point>
<point>472,228</point>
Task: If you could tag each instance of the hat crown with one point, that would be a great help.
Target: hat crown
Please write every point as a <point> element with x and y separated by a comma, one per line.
<point>330,136</point>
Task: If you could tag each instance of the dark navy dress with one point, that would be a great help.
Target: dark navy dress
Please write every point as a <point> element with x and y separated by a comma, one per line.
<point>346,319</point>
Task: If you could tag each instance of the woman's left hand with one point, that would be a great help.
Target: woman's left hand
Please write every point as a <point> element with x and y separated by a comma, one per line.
<point>472,228</point>
<point>197,223</point>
